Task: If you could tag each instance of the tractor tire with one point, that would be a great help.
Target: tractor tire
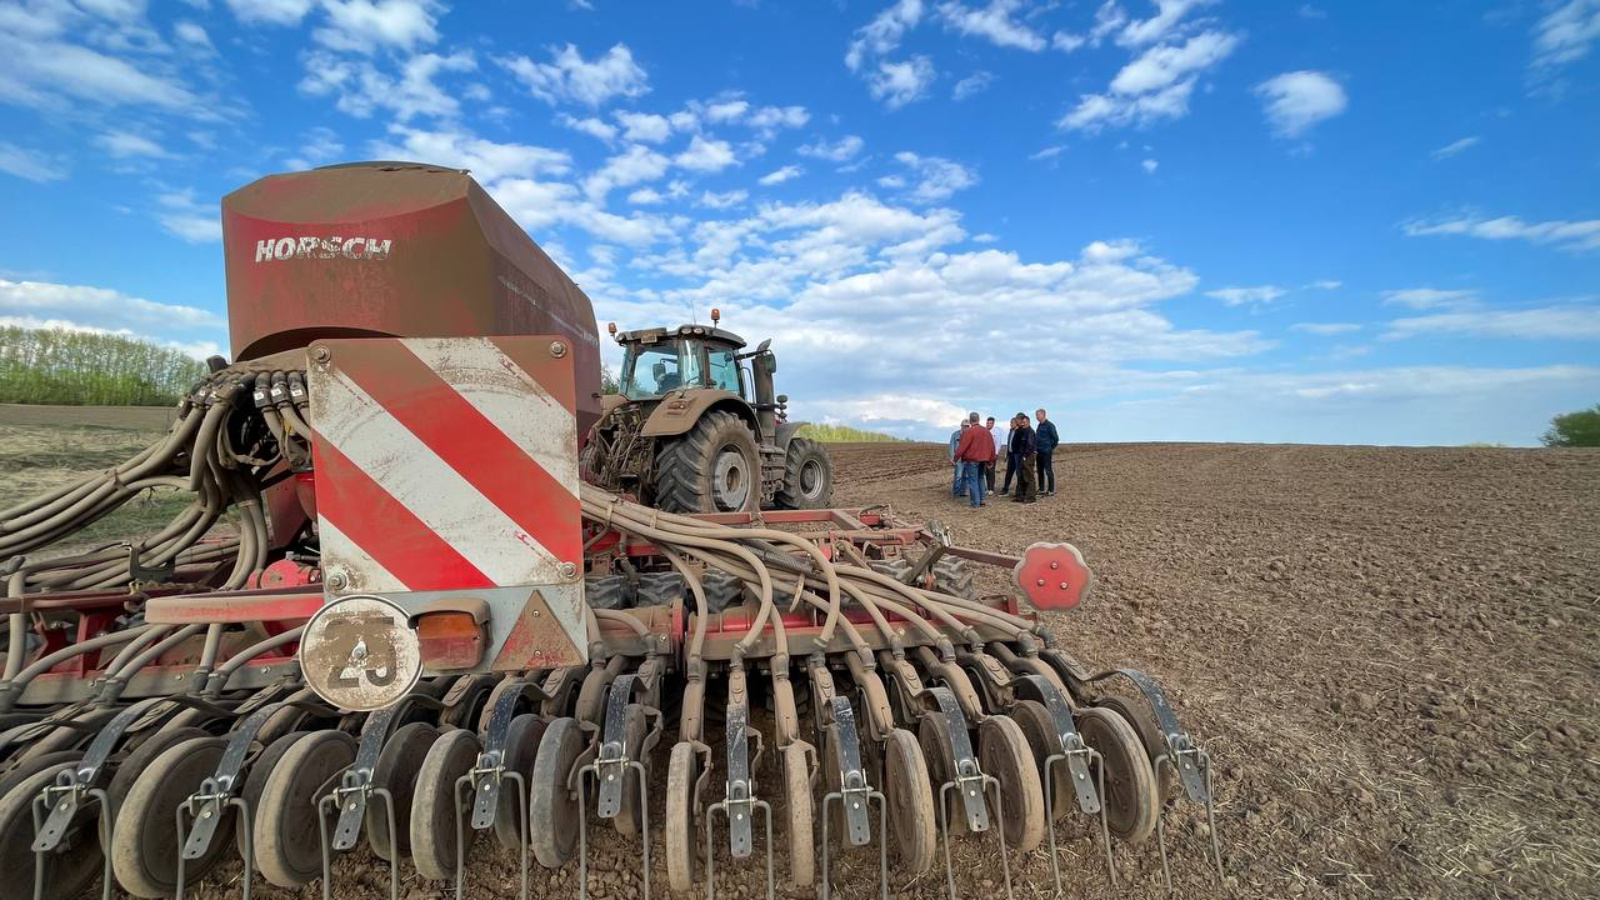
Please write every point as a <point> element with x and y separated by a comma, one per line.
<point>714,467</point>
<point>807,476</point>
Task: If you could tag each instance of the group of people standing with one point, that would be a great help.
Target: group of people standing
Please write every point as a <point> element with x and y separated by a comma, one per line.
<point>975,450</point>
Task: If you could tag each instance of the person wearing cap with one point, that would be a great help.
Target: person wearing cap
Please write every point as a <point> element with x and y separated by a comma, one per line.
<point>1023,447</point>
<point>974,450</point>
<point>1044,443</point>
<point>997,438</point>
<point>955,440</point>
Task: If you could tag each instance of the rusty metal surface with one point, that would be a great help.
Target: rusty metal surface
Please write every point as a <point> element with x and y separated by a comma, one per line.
<point>393,250</point>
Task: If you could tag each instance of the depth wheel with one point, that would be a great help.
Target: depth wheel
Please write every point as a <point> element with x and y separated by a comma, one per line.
<point>911,811</point>
<point>933,737</point>
<point>682,773</point>
<point>554,810</point>
<point>398,764</point>
<point>287,837</point>
<point>629,820</point>
<point>433,809</point>
<point>1003,753</point>
<point>1130,795</point>
<point>797,796</point>
<point>255,782</point>
<point>75,863</point>
<point>139,759</point>
<point>144,846</point>
<point>521,752</point>
<point>1144,724</point>
<point>1040,730</point>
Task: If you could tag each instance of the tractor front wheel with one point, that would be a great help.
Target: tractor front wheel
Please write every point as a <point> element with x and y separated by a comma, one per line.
<point>715,467</point>
<point>807,476</point>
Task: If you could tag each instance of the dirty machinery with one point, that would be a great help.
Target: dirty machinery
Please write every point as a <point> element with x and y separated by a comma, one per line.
<point>696,427</point>
<point>393,615</point>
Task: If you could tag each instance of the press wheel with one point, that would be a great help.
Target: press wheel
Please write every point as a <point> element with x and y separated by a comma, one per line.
<point>1144,723</point>
<point>144,845</point>
<point>287,837</point>
<point>1039,728</point>
<point>934,738</point>
<point>1003,754</point>
<point>521,751</point>
<point>1130,795</point>
<point>911,811</point>
<point>682,772</point>
<point>433,809</point>
<point>260,770</point>
<point>396,771</point>
<point>139,759</point>
<point>554,810</point>
<point>74,864</point>
<point>630,819</point>
<point>797,797</point>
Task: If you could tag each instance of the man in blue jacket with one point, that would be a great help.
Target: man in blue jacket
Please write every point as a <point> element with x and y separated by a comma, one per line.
<point>1045,440</point>
<point>956,486</point>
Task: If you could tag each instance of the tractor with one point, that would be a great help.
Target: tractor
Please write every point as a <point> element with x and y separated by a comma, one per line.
<point>695,427</point>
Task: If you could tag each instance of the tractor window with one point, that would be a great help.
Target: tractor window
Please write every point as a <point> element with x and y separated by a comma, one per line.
<point>724,370</point>
<point>651,371</point>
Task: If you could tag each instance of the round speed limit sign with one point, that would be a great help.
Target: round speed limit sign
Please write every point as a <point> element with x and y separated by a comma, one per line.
<point>359,654</point>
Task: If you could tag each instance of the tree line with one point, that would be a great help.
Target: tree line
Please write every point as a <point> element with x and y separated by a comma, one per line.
<point>77,368</point>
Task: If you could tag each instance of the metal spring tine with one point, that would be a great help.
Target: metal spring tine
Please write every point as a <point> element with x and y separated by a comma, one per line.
<point>583,826</point>
<point>711,858</point>
<point>883,842</point>
<point>469,780</point>
<point>998,827</point>
<point>1099,764</point>
<point>41,803</point>
<point>245,821</point>
<point>1202,762</point>
<point>334,799</point>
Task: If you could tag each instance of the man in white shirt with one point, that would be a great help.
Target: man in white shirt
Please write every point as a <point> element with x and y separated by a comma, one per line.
<point>999,438</point>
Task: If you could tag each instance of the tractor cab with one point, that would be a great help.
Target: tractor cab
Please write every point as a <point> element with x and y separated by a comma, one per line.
<point>658,361</point>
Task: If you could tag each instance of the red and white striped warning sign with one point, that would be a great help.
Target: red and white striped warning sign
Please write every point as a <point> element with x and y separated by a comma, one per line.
<point>448,464</point>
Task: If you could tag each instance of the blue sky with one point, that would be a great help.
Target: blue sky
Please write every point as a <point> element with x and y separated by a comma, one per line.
<point>1175,220</point>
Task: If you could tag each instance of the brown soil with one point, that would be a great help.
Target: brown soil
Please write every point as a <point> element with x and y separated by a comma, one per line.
<point>1391,653</point>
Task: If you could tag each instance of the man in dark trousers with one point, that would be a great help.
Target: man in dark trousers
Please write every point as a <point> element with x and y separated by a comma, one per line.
<point>974,450</point>
<point>1023,448</point>
<point>1045,440</point>
<point>1011,458</point>
<point>996,439</point>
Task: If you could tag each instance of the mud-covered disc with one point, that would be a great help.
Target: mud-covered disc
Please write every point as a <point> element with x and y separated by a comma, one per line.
<point>521,753</point>
<point>933,736</point>
<point>1003,754</point>
<point>554,810</point>
<point>1139,715</point>
<point>74,864</point>
<point>144,843</point>
<point>358,653</point>
<point>255,781</point>
<point>630,819</point>
<point>433,809</point>
<point>1039,728</point>
<point>396,772</point>
<point>910,798</point>
<point>798,802</point>
<point>288,841</point>
<point>1130,795</point>
<point>682,771</point>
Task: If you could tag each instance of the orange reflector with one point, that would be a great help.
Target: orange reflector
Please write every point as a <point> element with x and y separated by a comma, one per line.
<point>450,640</point>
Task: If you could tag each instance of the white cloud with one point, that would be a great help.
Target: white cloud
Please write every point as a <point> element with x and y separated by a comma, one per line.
<point>321,145</point>
<point>1455,147</point>
<point>726,111</point>
<point>1150,165</point>
<point>646,197</point>
<point>191,33</point>
<point>1564,235</point>
<point>99,308</point>
<point>645,127</point>
<point>591,126</point>
<point>1326,285</point>
<point>270,12</point>
<point>900,83</point>
<point>973,84</point>
<point>360,88</point>
<point>1326,328</point>
<point>897,409</point>
<point>1167,22</point>
<point>41,71</point>
<point>1047,153</point>
<point>123,144</point>
<point>1239,296</point>
<point>634,165</point>
<point>787,173</point>
<point>363,26</point>
<point>706,155</point>
<point>936,179</point>
<point>1571,323</point>
<point>199,350</point>
<point>768,119</point>
<point>24,163</point>
<point>1431,298</point>
<point>185,218</point>
<point>1295,101</point>
<point>724,200</point>
<point>883,34</point>
<point>488,161</point>
<point>993,23</point>
<point>568,78</point>
<point>839,151</point>
<point>1154,86</point>
<point>1566,33</point>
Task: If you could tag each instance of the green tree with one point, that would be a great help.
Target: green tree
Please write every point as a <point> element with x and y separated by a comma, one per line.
<point>1575,429</point>
<point>608,381</point>
<point>50,365</point>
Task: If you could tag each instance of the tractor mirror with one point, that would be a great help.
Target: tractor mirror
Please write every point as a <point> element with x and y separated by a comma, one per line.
<point>762,347</point>
<point>783,399</point>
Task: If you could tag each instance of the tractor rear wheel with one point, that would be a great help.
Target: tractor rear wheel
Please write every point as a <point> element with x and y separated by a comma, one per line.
<point>807,476</point>
<point>715,467</point>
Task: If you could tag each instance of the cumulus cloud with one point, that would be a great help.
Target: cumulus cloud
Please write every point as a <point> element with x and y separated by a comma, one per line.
<point>634,165</point>
<point>489,161</point>
<point>646,127</point>
<point>1155,85</point>
<point>99,308</point>
<point>1241,296</point>
<point>936,178</point>
<point>1326,329</point>
<point>591,126</point>
<point>900,83</point>
<point>972,85</point>
<point>1295,101</point>
<point>124,144</point>
<point>184,217</point>
<point>723,200</point>
<point>706,155</point>
<point>883,34</point>
<point>569,78</point>
<point>994,23</point>
<point>1559,323</point>
<point>1572,236</point>
<point>842,150</point>
<point>364,26</point>
<point>1566,33</point>
<point>360,87</point>
<point>24,163</point>
<point>779,176</point>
